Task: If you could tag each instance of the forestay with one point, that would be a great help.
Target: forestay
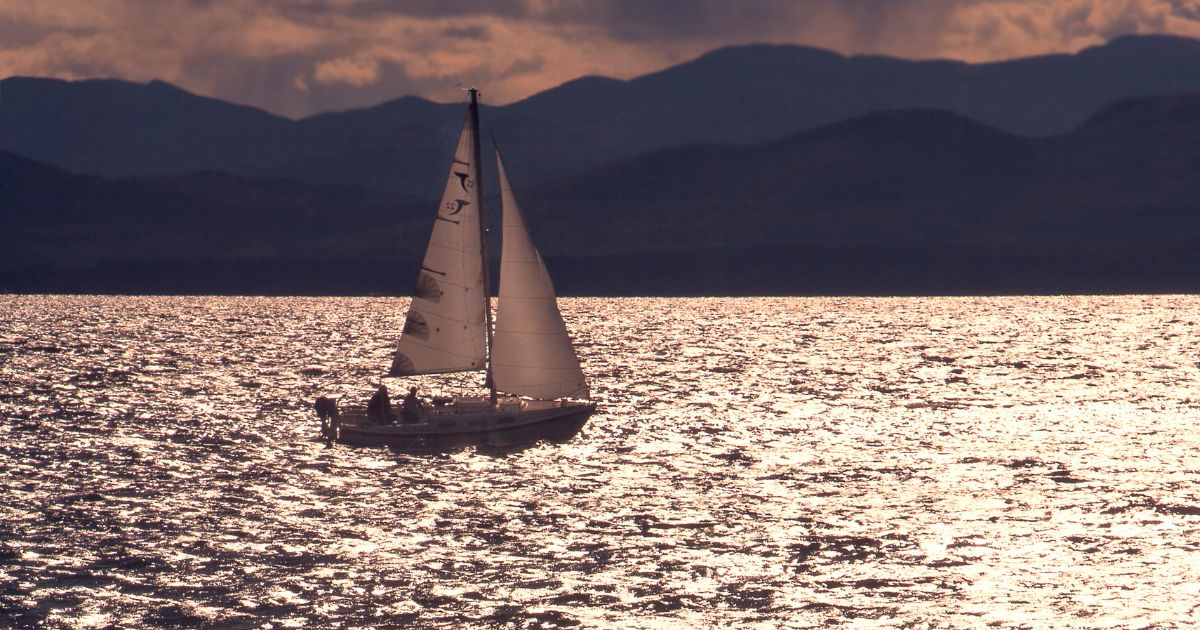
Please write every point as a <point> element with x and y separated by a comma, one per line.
<point>531,351</point>
<point>446,326</point>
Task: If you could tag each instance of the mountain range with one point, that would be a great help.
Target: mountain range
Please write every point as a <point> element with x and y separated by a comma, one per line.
<point>759,169</point>
<point>738,95</point>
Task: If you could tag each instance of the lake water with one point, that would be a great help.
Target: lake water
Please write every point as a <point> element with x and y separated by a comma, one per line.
<point>786,462</point>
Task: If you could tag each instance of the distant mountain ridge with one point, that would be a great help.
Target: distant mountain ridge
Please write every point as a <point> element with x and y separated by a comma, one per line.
<point>914,178</point>
<point>905,201</point>
<point>739,95</point>
<point>55,218</point>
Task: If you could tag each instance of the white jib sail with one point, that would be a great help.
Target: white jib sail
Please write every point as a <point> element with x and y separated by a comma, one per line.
<point>445,330</point>
<point>531,351</point>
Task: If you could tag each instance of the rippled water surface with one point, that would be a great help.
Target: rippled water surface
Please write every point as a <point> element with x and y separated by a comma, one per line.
<point>794,462</point>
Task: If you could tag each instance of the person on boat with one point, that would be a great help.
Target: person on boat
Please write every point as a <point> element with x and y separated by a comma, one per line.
<point>411,411</point>
<point>380,406</point>
<point>327,411</point>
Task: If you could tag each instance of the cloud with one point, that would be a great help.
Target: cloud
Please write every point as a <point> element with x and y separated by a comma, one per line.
<point>983,31</point>
<point>353,71</point>
<point>302,56</point>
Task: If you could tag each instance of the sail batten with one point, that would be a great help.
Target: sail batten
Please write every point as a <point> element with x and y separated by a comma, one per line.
<point>446,327</point>
<point>532,353</point>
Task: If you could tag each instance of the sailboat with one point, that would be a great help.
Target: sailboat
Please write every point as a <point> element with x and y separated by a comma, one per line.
<point>536,387</point>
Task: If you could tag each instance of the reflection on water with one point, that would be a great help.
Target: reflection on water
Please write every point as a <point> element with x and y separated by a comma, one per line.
<point>1003,461</point>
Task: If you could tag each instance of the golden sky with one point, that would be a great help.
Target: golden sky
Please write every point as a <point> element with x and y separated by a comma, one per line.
<point>297,57</point>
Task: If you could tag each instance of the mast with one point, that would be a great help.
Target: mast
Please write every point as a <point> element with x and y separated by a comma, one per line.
<point>487,293</point>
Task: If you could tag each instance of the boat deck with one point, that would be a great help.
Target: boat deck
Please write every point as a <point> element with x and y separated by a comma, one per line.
<point>471,421</point>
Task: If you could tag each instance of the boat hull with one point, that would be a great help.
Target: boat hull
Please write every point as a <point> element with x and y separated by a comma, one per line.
<point>456,428</point>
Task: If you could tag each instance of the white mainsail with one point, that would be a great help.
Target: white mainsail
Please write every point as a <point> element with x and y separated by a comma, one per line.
<point>531,351</point>
<point>446,329</point>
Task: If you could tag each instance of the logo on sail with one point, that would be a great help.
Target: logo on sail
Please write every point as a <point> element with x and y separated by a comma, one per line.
<point>402,365</point>
<point>464,179</point>
<point>416,325</point>
<point>456,206</point>
<point>428,288</point>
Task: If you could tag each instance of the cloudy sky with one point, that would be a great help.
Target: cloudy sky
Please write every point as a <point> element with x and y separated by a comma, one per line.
<point>296,57</point>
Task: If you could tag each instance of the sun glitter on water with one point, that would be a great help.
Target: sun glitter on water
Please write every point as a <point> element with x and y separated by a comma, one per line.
<point>882,462</point>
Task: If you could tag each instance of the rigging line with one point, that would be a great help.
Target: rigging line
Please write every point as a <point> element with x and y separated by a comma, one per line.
<point>485,120</point>
<point>491,127</point>
<point>435,158</point>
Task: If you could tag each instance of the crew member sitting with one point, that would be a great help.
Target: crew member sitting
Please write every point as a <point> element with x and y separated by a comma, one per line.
<point>380,406</point>
<point>411,412</point>
<point>328,412</point>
